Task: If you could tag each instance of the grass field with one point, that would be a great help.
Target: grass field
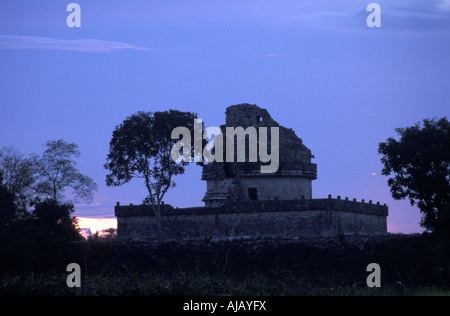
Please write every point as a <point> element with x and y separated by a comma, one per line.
<point>186,284</point>
<point>263,268</point>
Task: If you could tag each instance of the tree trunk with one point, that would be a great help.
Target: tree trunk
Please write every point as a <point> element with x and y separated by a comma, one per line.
<point>156,206</point>
<point>157,211</point>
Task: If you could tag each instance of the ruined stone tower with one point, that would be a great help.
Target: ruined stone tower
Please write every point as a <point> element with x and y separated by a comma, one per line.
<point>231,182</point>
<point>241,201</point>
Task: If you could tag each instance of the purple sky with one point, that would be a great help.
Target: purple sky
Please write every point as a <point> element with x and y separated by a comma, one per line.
<point>314,65</point>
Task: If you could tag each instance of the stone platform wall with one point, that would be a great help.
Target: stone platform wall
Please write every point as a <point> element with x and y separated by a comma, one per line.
<point>269,219</point>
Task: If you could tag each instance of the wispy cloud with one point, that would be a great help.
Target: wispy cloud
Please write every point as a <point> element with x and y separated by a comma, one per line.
<point>444,5</point>
<point>401,16</point>
<point>81,45</point>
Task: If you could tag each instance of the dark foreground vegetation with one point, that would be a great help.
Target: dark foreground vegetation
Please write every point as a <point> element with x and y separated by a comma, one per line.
<point>39,236</point>
<point>410,265</point>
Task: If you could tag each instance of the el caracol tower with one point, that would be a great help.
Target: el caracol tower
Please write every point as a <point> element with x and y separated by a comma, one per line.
<point>243,201</point>
<point>231,182</point>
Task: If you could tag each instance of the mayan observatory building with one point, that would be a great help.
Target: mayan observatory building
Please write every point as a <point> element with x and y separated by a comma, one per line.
<point>257,194</point>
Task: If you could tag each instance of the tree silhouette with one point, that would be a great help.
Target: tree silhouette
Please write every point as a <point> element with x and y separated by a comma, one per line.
<point>8,209</point>
<point>57,171</point>
<point>141,148</point>
<point>19,175</point>
<point>55,219</point>
<point>420,164</point>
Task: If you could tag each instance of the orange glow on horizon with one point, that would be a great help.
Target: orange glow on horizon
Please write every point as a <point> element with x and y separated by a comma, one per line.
<point>97,224</point>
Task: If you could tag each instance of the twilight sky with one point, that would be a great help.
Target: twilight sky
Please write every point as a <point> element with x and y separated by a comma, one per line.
<point>314,65</point>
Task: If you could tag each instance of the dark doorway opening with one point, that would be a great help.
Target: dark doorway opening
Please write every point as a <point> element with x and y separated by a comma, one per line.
<point>253,194</point>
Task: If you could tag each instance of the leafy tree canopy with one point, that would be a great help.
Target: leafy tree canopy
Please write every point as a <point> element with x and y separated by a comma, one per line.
<point>55,219</point>
<point>141,148</point>
<point>57,171</point>
<point>419,163</point>
<point>8,210</point>
<point>19,175</point>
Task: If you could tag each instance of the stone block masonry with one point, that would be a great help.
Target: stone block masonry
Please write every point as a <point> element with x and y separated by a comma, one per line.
<point>307,218</point>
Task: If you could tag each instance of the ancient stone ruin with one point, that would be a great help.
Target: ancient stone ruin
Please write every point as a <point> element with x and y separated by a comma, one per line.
<point>230,182</point>
<point>241,201</point>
